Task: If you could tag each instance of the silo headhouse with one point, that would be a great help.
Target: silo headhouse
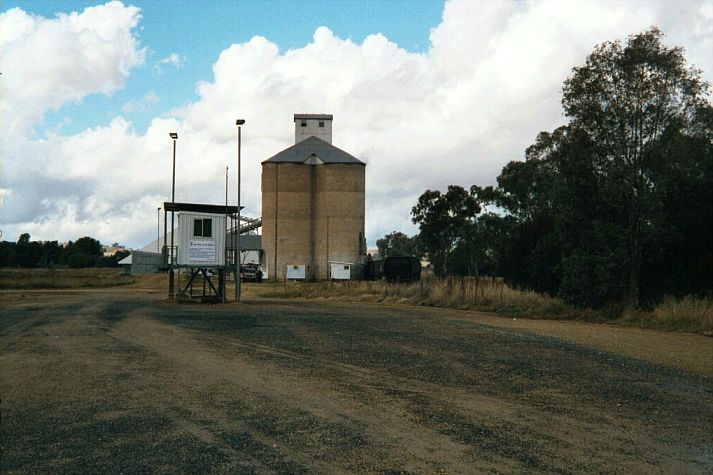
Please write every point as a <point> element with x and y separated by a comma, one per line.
<point>313,206</point>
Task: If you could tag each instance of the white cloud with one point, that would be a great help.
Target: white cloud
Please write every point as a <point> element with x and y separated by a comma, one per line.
<point>141,103</point>
<point>489,83</point>
<point>49,62</point>
<point>174,60</point>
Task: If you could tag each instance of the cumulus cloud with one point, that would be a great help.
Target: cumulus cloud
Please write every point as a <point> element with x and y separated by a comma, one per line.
<point>49,62</point>
<point>490,81</point>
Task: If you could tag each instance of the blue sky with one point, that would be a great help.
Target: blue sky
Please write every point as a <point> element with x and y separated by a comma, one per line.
<point>426,93</point>
<point>197,31</point>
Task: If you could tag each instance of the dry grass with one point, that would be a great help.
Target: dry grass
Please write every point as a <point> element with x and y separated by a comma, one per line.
<point>487,294</point>
<point>687,314</point>
<point>62,278</point>
<point>492,295</point>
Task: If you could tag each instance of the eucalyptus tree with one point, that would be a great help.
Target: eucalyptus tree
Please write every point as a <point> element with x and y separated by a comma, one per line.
<point>628,98</point>
<point>442,219</point>
<point>397,243</point>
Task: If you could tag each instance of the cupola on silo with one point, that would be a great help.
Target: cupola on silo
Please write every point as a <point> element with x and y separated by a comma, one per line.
<point>313,206</point>
<point>313,125</point>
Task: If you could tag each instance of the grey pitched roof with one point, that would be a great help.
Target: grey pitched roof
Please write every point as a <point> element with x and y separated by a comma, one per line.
<point>306,151</point>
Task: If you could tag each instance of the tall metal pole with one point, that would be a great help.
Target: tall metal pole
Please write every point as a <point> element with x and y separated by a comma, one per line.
<point>174,136</point>
<point>158,230</point>
<point>173,175</point>
<point>164,255</point>
<point>238,122</point>
<point>224,280</point>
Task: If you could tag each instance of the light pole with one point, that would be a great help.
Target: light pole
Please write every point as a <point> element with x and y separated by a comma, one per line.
<point>239,123</point>
<point>174,136</point>
<point>158,230</point>
<point>224,280</point>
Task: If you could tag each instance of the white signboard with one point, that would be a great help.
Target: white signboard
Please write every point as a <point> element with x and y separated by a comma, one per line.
<point>201,251</point>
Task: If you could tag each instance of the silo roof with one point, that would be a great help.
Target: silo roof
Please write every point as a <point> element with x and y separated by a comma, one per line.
<point>313,147</point>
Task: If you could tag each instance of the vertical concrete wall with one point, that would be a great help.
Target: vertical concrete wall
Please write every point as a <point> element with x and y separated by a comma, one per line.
<point>340,216</point>
<point>307,127</point>
<point>312,214</point>
<point>286,214</point>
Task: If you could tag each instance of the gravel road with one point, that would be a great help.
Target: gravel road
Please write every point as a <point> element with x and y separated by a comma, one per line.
<point>109,382</point>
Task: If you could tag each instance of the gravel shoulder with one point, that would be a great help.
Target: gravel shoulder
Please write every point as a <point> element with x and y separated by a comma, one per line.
<point>112,381</point>
<point>684,351</point>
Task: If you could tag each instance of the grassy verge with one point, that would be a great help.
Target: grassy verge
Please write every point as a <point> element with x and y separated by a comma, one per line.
<point>687,314</point>
<point>62,278</point>
<point>488,295</point>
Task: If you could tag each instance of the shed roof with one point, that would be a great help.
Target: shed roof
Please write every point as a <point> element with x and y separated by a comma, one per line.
<point>310,148</point>
<point>201,208</point>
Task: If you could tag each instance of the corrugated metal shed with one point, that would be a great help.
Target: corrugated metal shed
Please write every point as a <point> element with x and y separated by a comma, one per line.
<point>140,262</point>
<point>205,248</point>
<point>145,262</point>
<point>249,242</point>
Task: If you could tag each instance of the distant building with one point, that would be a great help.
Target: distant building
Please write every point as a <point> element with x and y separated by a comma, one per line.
<point>109,251</point>
<point>148,259</point>
<point>313,206</point>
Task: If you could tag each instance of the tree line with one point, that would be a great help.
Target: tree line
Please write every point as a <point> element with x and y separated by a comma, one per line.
<point>84,252</point>
<point>615,207</point>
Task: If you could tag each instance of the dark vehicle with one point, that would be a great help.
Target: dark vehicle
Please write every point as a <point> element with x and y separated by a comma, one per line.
<point>374,270</point>
<point>250,273</point>
<point>402,269</point>
<point>394,269</point>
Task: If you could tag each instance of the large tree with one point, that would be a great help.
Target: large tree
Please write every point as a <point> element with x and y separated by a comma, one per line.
<point>614,207</point>
<point>397,243</point>
<point>628,98</point>
<point>443,219</point>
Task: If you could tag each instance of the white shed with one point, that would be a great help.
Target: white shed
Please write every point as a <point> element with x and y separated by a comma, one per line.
<point>201,239</point>
<point>340,270</point>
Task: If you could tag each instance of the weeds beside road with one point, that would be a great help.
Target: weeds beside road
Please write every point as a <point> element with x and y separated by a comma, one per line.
<point>492,295</point>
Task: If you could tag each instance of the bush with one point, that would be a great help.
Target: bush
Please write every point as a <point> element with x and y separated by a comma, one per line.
<point>77,261</point>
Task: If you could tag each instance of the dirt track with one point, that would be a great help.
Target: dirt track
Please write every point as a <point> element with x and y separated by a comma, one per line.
<point>110,381</point>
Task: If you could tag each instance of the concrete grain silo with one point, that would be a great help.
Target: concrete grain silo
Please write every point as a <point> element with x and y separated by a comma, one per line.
<point>313,206</point>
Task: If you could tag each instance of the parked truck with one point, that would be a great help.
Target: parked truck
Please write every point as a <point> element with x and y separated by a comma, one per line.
<point>250,273</point>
